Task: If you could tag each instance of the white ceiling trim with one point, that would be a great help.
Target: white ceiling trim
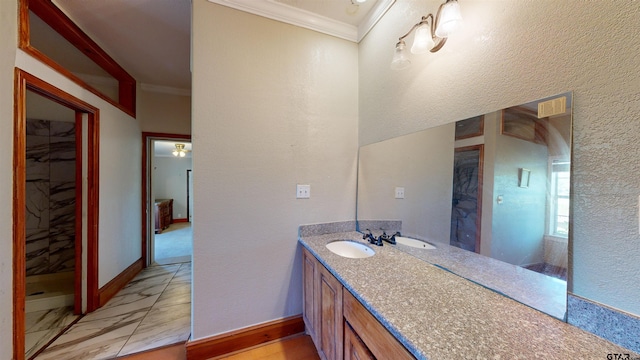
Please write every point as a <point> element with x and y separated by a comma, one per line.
<point>165,89</point>
<point>291,15</point>
<point>373,17</point>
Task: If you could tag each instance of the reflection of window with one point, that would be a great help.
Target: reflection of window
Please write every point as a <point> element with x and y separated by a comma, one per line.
<point>559,204</point>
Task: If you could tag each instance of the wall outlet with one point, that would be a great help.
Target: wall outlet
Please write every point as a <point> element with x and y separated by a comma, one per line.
<point>399,193</point>
<point>303,191</point>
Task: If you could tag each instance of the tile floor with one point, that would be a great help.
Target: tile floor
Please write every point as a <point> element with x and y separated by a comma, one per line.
<point>153,310</point>
<point>43,325</point>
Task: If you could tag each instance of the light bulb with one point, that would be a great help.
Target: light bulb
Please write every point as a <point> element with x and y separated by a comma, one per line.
<point>422,40</point>
<point>400,60</point>
<point>449,20</point>
<point>175,152</point>
<point>182,153</point>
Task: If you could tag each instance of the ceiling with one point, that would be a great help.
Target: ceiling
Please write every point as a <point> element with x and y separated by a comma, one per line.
<point>163,148</point>
<point>151,38</point>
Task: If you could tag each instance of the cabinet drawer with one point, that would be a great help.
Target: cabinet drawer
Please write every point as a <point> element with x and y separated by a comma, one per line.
<point>378,340</point>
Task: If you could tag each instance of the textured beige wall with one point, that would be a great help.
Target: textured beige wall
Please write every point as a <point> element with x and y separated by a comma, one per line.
<point>511,52</point>
<point>121,149</point>
<point>421,164</point>
<point>164,113</point>
<point>8,39</point>
<point>274,105</point>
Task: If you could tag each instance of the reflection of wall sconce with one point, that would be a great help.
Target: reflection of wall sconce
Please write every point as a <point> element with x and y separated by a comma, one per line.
<point>523,177</point>
<point>430,35</point>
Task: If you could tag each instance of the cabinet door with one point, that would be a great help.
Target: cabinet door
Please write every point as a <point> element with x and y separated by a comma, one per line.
<point>309,268</point>
<point>354,348</point>
<point>329,315</point>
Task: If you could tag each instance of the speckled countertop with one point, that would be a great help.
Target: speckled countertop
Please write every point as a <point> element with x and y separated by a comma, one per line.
<point>439,315</point>
<point>539,291</point>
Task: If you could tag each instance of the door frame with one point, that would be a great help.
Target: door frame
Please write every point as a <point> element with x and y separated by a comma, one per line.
<point>480,149</point>
<point>189,194</point>
<point>24,81</point>
<point>147,183</point>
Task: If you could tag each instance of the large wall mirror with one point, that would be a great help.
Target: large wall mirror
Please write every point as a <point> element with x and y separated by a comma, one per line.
<point>490,192</point>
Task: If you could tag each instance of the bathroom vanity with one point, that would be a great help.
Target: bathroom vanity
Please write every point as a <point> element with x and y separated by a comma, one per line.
<point>396,304</point>
<point>338,323</point>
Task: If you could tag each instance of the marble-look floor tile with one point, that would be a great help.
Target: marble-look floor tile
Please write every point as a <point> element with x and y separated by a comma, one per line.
<point>127,306</point>
<point>174,294</point>
<point>183,275</point>
<point>153,310</point>
<point>154,273</point>
<point>90,341</point>
<point>49,319</point>
<point>34,341</point>
<point>162,326</point>
<point>148,283</point>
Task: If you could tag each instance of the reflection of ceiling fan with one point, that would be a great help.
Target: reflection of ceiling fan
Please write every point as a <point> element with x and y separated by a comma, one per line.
<point>180,150</point>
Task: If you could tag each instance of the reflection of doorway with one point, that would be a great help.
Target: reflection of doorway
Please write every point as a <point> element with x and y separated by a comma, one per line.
<point>83,200</point>
<point>165,190</point>
<point>466,210</point>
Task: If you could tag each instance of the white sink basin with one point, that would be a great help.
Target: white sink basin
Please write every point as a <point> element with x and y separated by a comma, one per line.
<point>350,249</point>
<point>414,243</point>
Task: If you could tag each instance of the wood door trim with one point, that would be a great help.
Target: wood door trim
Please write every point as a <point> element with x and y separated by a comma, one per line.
<point>63,25</point>
<point>245,338</point>
<point>23,81</point>
<point>144,208</point>
<point>189,194</point>
<point>77,288</point>
<point>480,148</point>
<point>19,218</point>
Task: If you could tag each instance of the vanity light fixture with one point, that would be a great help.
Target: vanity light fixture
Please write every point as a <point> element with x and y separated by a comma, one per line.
<point>431,33</point>
<point>179,150</point>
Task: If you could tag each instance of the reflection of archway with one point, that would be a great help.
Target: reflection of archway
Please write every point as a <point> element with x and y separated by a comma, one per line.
<point>23,82</point>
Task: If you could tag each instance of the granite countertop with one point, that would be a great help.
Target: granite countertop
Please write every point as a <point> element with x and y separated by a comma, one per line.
<point>439,315</point>
<point>545,293</point>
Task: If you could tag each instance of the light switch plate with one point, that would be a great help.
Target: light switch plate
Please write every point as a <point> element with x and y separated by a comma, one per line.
<point>399,193</point>
<point>303,191</point>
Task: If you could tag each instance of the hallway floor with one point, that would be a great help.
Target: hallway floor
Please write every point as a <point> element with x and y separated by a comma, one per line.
<point>153,310</point>
<point>174,244</point>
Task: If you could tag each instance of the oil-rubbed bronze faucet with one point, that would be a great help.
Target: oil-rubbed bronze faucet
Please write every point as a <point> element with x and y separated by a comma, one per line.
<point>372,239</point>
<point>384,237</point>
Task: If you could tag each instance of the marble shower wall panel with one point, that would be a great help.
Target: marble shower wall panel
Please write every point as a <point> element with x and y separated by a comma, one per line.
<point>51,159</point>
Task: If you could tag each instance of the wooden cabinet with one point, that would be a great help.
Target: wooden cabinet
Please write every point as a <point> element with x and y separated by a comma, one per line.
<point>354,348</point>
<point>309,267</point>
<point>376,338</point>
<point>322,308</point>
<point>329,315</point>
<point>163,214</point>
<point>339,325</point>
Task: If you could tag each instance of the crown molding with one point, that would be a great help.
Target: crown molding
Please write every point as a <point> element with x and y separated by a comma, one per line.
<point>373,17</point>
<point>291,15</point>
